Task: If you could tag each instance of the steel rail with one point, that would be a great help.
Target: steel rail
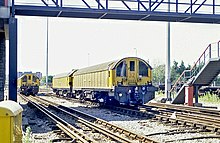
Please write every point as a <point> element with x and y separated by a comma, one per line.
<point>211,125</point>
<point>101,122</point>
<point>194,138</point>
<point>207,118</point>
<point>86,123</point>
<point>189,109</point>
<point>63,125</point>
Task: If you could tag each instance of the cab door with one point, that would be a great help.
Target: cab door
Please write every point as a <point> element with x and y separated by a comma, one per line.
<point>29,80</point>
<point>132,71</point>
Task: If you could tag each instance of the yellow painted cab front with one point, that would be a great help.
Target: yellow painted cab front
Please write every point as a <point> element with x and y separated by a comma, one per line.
<point>133,80</point>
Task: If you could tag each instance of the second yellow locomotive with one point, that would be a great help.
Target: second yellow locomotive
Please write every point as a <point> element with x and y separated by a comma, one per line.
<point>125,81</point>
<point>28,84</point>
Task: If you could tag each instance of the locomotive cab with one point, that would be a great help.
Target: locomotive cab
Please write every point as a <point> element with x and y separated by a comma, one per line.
<point>132,81</point>
<point>28,84</point>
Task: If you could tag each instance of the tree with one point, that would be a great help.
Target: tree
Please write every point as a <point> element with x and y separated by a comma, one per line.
<point>50,79</point>
<point>159,74</point>
<point>181,68</point>
<point>176,71</point>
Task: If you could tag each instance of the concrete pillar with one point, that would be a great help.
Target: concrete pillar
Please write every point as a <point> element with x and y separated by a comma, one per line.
<point>2,65</point>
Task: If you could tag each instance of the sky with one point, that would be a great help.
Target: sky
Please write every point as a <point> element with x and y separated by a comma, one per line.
<point>77,43</point>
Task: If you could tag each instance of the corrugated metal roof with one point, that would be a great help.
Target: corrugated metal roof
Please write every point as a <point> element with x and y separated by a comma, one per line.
<point>64,74</point>
<point>105,66</point>
<point>61,75</point>
<point>95,68</point>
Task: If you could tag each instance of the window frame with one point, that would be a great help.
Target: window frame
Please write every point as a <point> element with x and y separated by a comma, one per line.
<point>132,66</point>
<point>120,74</point>
<point>141,72</point>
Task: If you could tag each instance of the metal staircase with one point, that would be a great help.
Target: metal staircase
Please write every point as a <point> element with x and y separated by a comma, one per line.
<point>204,71</point>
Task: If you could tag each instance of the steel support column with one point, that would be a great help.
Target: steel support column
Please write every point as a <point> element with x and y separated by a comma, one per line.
<point>196,87</point>
<point>2,65</point>
<point>13,59</point>
<point>167,70</point>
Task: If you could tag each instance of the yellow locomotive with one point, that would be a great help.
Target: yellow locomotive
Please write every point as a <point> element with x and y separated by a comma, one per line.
<point>28,84</point>
<point>125,81</point>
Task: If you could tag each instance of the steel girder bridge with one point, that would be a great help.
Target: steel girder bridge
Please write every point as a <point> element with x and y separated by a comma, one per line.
<point>200,11</point>
<point>195,11</point>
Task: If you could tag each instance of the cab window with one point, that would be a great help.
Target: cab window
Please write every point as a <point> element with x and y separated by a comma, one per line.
<point>121,69</point>
<point>24,79</point>
<point>143,69</point>
<point>34,78</point>
<point>29,77</point>
<point>132,66</point>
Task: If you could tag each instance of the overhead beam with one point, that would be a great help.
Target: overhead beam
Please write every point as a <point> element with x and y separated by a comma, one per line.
<point>115,14</point>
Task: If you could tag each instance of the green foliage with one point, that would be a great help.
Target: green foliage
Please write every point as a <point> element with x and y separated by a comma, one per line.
<point>50,79</point>
<point>181,68</point>
<point>217,81</point>
<point>210,98</point>
<point>159,74</point>
<point>27,136</point>
<point>160,93</point>
<point>176,71</point>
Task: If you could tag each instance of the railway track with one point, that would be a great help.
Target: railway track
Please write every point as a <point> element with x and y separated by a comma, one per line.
<point>187,123</point>
<point>187,109</point>
<point>67,128</point>
<point>176,116</point>
<point>205,119</point>
<point>93,124</point>
<point>183,126</point>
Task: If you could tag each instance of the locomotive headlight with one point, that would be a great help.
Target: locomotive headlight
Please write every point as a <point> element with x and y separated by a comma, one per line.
<point>120,94</point>
<point>101,100</point>
<point>143,88</point>
<point>136,88</point>
<point>129,91</point>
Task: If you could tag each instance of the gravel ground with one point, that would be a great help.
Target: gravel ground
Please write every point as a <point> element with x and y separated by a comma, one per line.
<point>36,127</point>
<point>42,129</point>
<point>141,126</point>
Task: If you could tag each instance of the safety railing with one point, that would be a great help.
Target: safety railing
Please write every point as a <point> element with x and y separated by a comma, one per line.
<point>212,51</point>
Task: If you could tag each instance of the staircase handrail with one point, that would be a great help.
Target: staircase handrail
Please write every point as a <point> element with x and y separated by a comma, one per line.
<point>198,62</point>
<point>178,81</point>
<point>200,57</point>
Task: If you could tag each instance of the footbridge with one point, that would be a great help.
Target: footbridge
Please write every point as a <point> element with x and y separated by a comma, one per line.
<point>205,11</point>
<point>196,11</point>
<point>204,71</point>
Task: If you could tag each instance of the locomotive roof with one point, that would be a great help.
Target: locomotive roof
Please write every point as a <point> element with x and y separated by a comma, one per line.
<point>104,66</point>
<point>65,74</point>
<point>95,68</point>
<point>27,74</point>
<point>114,65</point>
